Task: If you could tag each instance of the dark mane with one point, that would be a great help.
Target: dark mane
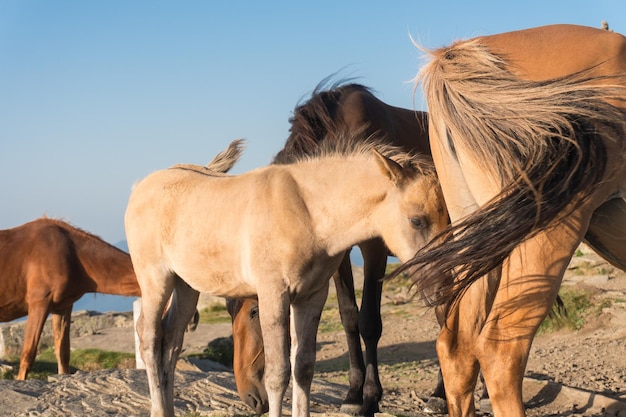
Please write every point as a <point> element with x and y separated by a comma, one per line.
<point>67,226</point>
<point>317,119</point>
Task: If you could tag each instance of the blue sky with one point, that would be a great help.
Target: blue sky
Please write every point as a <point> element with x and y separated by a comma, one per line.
<point>94,95</point>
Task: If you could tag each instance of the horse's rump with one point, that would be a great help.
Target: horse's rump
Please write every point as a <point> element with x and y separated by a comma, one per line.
<point>544,141</point>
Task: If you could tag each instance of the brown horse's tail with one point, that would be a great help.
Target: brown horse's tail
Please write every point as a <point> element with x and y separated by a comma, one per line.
<point>542,140</point>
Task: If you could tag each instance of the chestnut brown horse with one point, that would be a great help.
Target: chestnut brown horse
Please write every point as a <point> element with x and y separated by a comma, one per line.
<point>46,266</point>
<point>278,232</point>
<point>328,114</point>
<point>527,130</point>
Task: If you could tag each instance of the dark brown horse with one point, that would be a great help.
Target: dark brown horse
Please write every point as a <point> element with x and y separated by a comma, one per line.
<point>326,116</point>
<point>46,266</point>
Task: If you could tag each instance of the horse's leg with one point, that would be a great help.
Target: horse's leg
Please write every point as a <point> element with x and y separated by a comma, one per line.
<point>61,331</point>
<point>607,231</point>
<point>349,312</point>
<point>456,345</point>
<point>531,277</point>
<point>179,314</point>
<point>274,317</point>
<point>436,403</point>
<point>155,290</point>
<point>370,323</point>
<point>306,315</point>
<point>37,313</point>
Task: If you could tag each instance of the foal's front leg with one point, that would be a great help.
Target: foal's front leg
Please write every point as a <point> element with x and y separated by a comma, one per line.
<point>274,318</point>
<point>305,321</point>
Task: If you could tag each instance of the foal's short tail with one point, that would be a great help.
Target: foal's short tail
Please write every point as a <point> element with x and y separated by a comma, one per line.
<point>225,160</point>
<point>544,141</point>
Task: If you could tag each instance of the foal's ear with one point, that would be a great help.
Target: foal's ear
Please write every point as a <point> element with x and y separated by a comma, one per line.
<point>389,167</point>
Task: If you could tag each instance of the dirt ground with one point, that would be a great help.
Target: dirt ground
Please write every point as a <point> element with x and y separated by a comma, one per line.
<point>570,373</point>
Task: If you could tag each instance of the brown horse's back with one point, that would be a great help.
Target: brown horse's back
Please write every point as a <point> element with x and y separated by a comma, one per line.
<point>580,48</point>
<point>35,264</point>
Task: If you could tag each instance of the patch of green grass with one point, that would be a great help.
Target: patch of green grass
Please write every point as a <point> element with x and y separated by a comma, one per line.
<point>578,304</point>
<point>214,313</point>
<point>219,350</point>
<point>330,320</point>
<point>80,359</point>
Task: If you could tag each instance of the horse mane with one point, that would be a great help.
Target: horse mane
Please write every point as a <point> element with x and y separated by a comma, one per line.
<point>317,119</point>
<point>542,140</point>
<point>347,144</point>
<point>221,164</point>
<point>77,231</point>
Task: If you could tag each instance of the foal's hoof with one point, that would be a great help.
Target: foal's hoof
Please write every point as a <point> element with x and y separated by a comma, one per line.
<point>485,406</point>
<point>436,405</point>
<point>352,409</point>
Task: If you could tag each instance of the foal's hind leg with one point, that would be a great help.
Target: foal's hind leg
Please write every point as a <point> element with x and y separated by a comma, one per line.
<point>305,321</point>
<point>61,331</point>
<point>349,312</point>
<point>181,310</point>
<point>155,290</point>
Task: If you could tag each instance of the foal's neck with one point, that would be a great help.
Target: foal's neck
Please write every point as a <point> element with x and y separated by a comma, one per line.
<point>342,196</point>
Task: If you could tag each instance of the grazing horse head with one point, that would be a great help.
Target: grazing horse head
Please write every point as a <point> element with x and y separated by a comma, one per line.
<point>249,357</point>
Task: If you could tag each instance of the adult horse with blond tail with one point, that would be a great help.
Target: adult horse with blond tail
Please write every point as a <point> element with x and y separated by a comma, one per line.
<point>277,232</point>
<point>527,132</point>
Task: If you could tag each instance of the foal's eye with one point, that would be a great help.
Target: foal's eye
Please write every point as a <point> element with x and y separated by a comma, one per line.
<point>418,222</point>
<point>254,312</point>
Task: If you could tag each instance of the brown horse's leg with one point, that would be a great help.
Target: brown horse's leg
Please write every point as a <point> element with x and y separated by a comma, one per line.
<point>61,331</point>
<point>349,312</point>
<point>456,345</point>
<point>37,313</point>
<point>607,232</point>
<point>436,403</point>
<point>531,277</point>
<point>370,324</point>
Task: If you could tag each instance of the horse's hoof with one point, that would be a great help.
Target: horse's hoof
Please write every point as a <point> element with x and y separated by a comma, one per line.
<point>436,405</point>
<point>485,406</point>
<point>352,409</point>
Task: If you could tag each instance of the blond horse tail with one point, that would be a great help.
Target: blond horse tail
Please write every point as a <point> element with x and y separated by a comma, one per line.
<point>544,142</point>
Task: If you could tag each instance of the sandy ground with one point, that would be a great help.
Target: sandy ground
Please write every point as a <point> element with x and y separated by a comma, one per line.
<point>580,373</point>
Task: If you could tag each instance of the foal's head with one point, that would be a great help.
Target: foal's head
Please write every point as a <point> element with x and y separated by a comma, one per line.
<point>413,211</point>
